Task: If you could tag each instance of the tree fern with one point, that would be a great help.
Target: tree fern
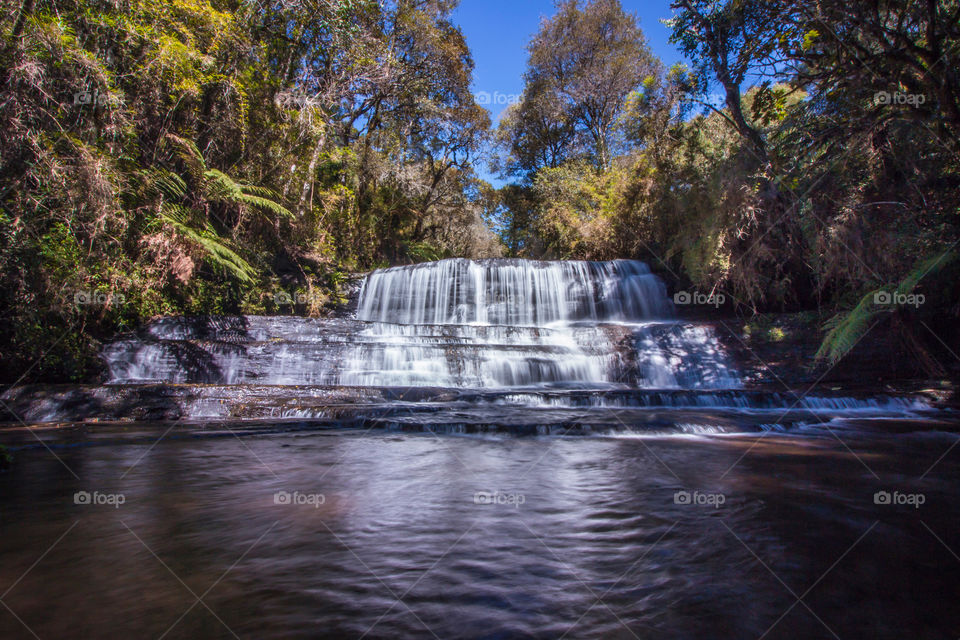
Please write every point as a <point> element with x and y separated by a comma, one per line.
<point>422,251</point>
<point>167,183</point>
<point>846,329</point>
<point>221,187</point>
<point>209,186</point>
<point>189,153</point>
<point>206,238</point>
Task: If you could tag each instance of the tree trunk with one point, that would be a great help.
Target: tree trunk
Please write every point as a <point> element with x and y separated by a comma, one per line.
<point>307,192</point>
<point>735,104</point>
<point>25,10</point>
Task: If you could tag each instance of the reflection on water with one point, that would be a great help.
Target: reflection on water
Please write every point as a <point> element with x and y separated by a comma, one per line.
<point>380,535</point>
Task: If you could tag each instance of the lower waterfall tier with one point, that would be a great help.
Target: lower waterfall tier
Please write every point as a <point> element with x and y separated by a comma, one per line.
<point>295,351</point>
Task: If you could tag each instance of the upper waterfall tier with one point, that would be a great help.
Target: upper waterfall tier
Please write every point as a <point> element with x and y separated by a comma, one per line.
<point>513,292</point>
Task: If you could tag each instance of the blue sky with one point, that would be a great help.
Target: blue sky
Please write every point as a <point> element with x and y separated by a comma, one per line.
<point>497,32</point>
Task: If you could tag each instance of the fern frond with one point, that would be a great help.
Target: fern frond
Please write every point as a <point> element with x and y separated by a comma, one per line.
<point>265,204</point>
<point>848,328</point>
<point>219,186</point>
<point>924,268</point>
<point>169,184</point>
<point>188,151</point>
<point>263,192</point>
<point>423,251</point>
<point>175,213</point>
<point>226,189</point>
<point>206,239</point>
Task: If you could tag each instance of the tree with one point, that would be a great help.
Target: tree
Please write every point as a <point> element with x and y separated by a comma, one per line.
<point>730,41</point>
<point>191,157</point>
<point>901,58</point>
<point>584,62</point>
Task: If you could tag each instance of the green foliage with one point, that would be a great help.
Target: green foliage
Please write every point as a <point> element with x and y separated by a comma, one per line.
<point>585,62</point>
<point>423,252</point>
<point>801,185</point>
<point>206,239</point>
<point>197,157</point>
<point>192,156</point>
<point>846,329</point>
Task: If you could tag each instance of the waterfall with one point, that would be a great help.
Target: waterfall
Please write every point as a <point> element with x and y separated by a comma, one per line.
<point>452,323</point>
<point>458,345</point>
<point>515,323</point>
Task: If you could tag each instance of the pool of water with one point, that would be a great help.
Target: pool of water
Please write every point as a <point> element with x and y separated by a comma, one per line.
<point>845,529</point>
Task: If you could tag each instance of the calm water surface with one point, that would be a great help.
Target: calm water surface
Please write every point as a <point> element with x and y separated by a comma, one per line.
<point>587,538</point>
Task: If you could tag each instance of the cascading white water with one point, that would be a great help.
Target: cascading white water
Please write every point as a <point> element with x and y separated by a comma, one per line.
<point>513,293</point>
<point>453,323</point>
<point>504,323</point>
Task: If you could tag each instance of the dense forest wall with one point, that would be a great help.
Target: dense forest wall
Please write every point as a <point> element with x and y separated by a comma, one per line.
<point>808,160</point>
<point>221,157</point>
